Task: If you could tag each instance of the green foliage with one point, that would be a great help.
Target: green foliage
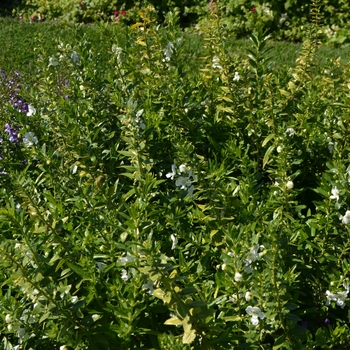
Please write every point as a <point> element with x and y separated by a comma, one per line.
<point>161,196</point>
<point>285,19</point>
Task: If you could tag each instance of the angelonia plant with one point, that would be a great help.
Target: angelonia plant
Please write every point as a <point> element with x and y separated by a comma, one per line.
<point>175,197</point>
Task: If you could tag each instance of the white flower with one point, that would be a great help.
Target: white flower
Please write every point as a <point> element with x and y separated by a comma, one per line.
<point>168,52</point>
<point>125,275</point>
<point>330,147</point>
<point>174,240</point>
<point>254,255</point>
<point>289,185</point>
<point>75,58</point>
<point>183,182</point>
<point>256,313</point>
<point>53,61</point>
<point>290,131</point>
<point>74,299</point>
<point>21,333</point>
<point>183,168</point>
<point>27,319</point>
<point>101,266</point>
<point>341,296</point>
<point>173,172</point>
<point>346,218</point>
<point>216,63</point>
<point>335,194</point>
<point>283,18</point>
<point>248,296</point>
<point>267,11</point>
<point>126,259</point>
<point>279,149</point>
<point>206,102</point>
<point>234,298</point>
<point>117,51</point>
<point>29,139</point>
<point>236,77</point>
<point>31,111</point>
<point>238,277</point>
<point>148,286</point>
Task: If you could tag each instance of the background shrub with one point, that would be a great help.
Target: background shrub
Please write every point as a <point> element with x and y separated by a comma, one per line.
<point>284,19</point>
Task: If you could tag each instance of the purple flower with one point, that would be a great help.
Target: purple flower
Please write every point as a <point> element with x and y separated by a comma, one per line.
<point>12,133</point>
<point>327,321</point>
<point>24,108</point>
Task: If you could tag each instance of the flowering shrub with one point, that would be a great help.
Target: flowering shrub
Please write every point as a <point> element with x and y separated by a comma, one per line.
<point>174,198</point>
<point>71,10</point>
<point>285,19</point>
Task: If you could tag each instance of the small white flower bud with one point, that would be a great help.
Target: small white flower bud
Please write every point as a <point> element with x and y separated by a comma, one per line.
<point>289,185</point>
<point>238,277</point>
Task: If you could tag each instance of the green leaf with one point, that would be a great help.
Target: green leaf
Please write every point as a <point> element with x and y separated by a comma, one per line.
<point>293,317</point>
<point>189,333</point>
<point>267,155</point>
<point>189,290</point>
<point>78,270</point>
<point>173,321</point>
<point>267,139</point>
<point>279,342</point>
<point>189,336</point>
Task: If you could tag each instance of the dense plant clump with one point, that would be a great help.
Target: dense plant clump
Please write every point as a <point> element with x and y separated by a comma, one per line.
<point>284,19</point>
<point>174,198</point>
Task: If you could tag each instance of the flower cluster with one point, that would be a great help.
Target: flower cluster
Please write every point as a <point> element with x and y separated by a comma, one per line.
<point>168,52</point>
<point>119,14</point>
<point>236,77</point>
<point>149,287</point>
<point>216,63</point>
<point>15,100</point>
<point>13,133</point>
<point>338,297</point>
<point>29,139</point>
<point>252,256</point>
<point>183,177</point>
<point>19,325</point>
